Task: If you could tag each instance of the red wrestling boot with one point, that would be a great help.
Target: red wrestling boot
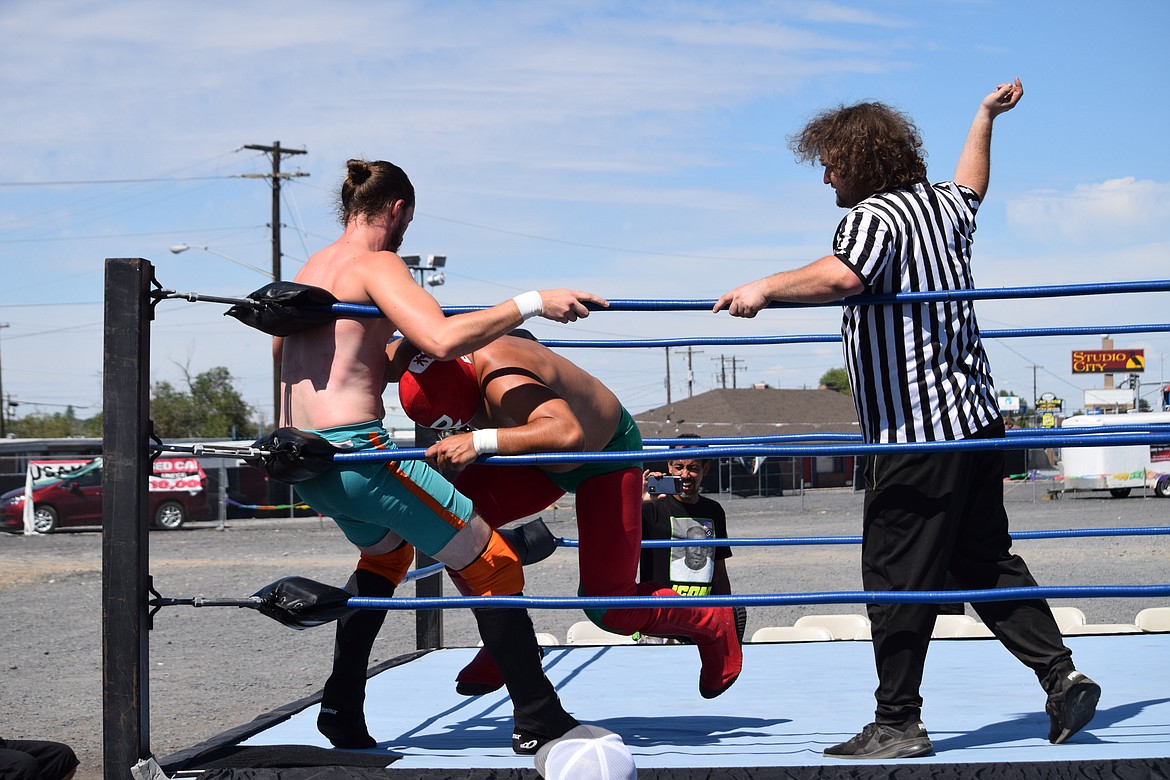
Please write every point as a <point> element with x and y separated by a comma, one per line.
<point>712,629</point>
<point>479,677</point>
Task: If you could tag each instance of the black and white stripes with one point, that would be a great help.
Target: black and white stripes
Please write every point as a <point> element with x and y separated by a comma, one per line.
<point>918,370</point>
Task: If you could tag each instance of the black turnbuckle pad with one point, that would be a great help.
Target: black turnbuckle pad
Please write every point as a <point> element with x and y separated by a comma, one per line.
<point>283,308</point>
<point>533,542</point>
<point>290,455</point>
<point>300,603</point>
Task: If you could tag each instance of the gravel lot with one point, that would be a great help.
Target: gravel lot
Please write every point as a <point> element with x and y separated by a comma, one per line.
<point>216,668</point>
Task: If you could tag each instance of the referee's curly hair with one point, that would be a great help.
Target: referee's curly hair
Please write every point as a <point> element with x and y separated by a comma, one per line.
<point>872,145</point>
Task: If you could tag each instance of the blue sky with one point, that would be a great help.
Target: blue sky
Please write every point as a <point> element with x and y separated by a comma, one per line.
<point>636,150</point>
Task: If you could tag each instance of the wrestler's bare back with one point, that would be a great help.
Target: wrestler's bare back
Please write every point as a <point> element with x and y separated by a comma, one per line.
<point>509,361</point>
<point>335,374</point>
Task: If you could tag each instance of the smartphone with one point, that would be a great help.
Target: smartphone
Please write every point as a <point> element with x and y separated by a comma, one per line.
<point>670,486</point>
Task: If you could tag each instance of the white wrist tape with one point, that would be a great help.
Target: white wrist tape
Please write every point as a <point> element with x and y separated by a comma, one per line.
<point>530,304</point>
<point>484,441</point>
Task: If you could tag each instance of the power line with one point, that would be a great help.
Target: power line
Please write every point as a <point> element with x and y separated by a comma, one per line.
<point>563,242</point>
<point>86,182</point>
<point>122,235</point>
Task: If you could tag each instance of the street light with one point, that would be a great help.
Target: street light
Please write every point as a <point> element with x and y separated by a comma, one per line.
<point>419,266</point>
<point>428,623</point>
<point>180,248</point>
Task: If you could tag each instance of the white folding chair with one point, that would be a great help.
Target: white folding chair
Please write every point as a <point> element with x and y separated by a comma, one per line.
<point>792,634</point>
<point>1068,617</point>
<point>1154,619</point>
<point>946,626</point>
<point>973,629</point>
<point>585,632</point>
<point>840,626</point>
<point>1103,628</point>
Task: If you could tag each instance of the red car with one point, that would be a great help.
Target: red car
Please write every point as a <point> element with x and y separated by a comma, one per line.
<point>178,493</point>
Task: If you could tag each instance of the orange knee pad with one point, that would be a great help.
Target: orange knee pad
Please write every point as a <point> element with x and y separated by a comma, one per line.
<point>496,572</point>
<point>392,565</point>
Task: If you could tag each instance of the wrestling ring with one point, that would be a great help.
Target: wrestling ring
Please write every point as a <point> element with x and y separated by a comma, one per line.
<point>773,723</point>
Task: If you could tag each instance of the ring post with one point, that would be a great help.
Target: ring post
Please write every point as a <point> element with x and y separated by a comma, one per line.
<point>125,470</point>
<point>428,623</point>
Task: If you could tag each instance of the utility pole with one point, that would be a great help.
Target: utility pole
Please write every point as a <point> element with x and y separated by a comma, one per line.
<point>735,369</point>
<point>277,153</point>
<point>668,376</point>
<point>1035,398</point>
<point>691,370</point>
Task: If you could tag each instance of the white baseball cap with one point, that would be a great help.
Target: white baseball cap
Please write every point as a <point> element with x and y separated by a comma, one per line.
<point>586,753</point>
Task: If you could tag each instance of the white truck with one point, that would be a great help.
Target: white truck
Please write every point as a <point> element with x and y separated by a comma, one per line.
<point>1118,469</point>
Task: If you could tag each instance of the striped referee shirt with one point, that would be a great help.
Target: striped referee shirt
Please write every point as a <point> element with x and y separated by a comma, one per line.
<point>918,370</point>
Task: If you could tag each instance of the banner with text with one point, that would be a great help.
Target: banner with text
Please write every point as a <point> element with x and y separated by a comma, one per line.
<point>168,475</point>
<point>1108,361</point>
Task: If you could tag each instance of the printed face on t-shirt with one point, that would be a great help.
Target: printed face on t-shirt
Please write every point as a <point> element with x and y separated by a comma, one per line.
<point>691,563</point>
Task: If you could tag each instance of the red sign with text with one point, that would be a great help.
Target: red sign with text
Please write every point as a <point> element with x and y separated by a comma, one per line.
<point>1107,361</point>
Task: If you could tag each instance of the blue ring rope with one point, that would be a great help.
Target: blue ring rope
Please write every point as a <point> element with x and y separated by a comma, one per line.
<point>706,304</point>
<point>423,573</point>
<point>829,338</point>
<point>790,541</point>
<point>797,437</point>
<point>767,599</point>
<point>1014,443</point>
<point>795,541</point>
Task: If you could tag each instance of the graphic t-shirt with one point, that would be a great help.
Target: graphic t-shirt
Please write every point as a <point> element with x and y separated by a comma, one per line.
<point>689,570</point>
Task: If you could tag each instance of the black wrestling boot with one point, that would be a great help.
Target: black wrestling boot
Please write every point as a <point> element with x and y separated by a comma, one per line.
<point>537,712</point>
<point>342,719</point>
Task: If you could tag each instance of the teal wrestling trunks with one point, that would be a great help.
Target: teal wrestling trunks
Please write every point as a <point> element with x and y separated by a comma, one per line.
<point>627,438</point>
<point>368,499</point>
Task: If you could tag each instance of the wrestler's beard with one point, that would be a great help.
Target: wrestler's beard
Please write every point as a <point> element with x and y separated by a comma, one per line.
<point>395,241</point>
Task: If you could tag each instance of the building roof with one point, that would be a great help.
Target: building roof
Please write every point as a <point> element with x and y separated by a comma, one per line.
<point>753,411</point>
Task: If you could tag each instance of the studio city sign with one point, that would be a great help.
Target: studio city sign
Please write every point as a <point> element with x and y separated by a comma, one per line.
<point>1106,361</point>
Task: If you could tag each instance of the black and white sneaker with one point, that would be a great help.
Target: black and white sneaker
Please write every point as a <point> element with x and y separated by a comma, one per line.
<point>880,741</point>
<point>344,729</point>
<point>1071,706</point>
<point>526,742</point>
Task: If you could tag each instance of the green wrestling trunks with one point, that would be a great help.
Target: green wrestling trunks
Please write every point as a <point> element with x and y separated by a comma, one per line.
<point>627,438</point>
<point>369,499</point>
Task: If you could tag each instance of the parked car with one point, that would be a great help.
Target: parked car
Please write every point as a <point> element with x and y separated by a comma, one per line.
<point>175,496</point>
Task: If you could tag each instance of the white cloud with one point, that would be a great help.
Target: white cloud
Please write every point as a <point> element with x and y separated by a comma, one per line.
<point>606,87</point>
<point>1127,210</point>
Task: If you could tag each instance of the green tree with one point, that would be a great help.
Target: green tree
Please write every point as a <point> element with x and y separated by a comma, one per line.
<point>836,379</point>
<point>210,407</point>
<point>58,425</point>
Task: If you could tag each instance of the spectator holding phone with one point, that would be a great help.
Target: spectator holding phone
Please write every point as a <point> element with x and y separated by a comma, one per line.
<point>680,512</point>
<point>684,514</point>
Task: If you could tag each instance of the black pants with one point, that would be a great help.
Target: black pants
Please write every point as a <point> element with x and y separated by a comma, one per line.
<point>933,521</point>
<point>35,759</point>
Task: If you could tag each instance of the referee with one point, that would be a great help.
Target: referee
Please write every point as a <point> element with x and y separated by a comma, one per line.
<point>919,372</point>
